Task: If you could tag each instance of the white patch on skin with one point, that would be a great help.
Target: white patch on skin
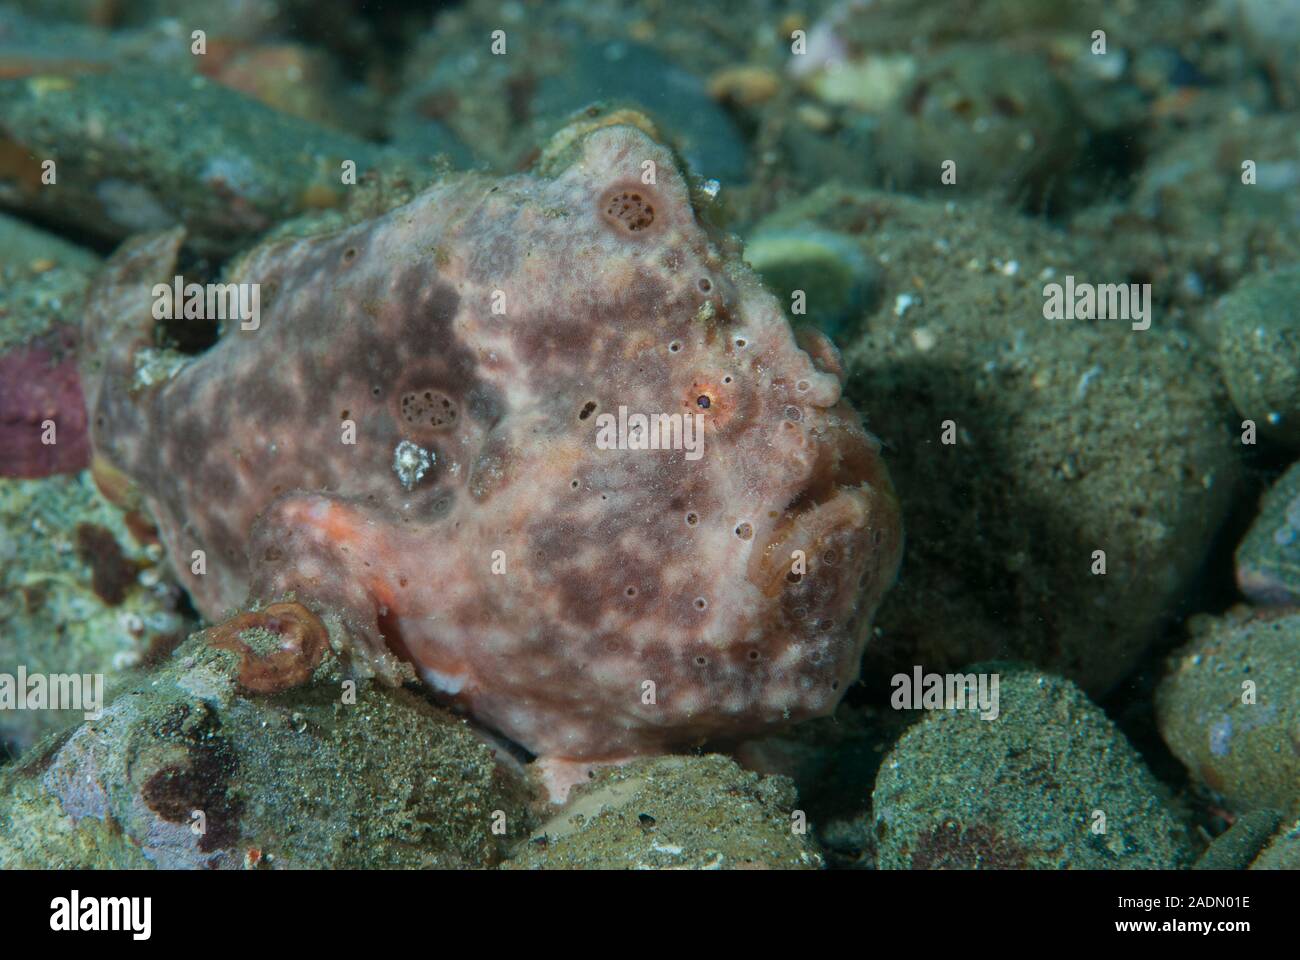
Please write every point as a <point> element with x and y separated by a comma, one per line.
<point>411,462</point>
<point>449,683</point>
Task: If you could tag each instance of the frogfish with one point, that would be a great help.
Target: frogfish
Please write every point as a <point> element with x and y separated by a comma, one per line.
<point>544,438</point>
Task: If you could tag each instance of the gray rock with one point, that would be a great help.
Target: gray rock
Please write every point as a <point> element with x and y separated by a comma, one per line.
<point>1268,559</point>
<point>1259,352</point>
<point>1049,784</point>
<point>1229,708</point>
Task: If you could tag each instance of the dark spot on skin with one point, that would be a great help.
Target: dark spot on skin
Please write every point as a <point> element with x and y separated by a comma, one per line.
<point>428,409</point>
<point>703,402</point>
<point>631,211</point>
<point>587,410</point>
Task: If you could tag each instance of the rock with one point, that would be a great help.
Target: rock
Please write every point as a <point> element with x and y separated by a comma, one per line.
<point>79,594</point>
<point>1001,118</point>
<point>1031,789</point>
<point>1059,450</point>
<point>871,84</point>
<point>22,245</point>
<point>1259,352</point>
<point>291,78</point>
<point>43,281</point>
<point>301,779</point>
<point>1229,707</point>
<point>744,86</point>
<point>43,427</point>
<point>554,63</point>
<point>677,101</point>
<point>1192,223</point>
<point>673,813</point>
<point>140,150</point>
<point>1268,560</point>
<point>1283,851</point>
<point>837,279</point>
<point>1239,844</point>
<point>1272,28</point>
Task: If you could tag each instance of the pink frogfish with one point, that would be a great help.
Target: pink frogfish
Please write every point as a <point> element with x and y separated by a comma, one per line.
<point>546,438</point>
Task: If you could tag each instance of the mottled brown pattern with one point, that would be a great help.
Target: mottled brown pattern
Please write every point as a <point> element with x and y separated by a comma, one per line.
<point>589,603</point>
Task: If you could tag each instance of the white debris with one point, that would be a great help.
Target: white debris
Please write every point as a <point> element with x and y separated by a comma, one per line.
<point>904,302</point>
<point>1085,380</point>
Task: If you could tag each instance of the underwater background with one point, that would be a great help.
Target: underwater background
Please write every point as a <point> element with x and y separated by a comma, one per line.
<point>1056,248</point>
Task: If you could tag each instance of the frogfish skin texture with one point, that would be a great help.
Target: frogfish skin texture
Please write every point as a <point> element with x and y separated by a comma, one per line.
<point>588,603</point>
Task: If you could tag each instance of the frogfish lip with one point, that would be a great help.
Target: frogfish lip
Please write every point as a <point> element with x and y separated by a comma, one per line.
<point>844,518</point>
